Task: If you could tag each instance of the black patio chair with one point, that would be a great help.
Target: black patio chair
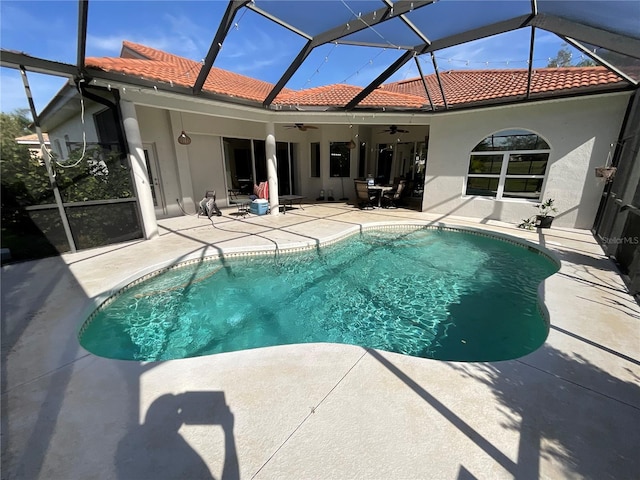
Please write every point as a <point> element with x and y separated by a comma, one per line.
<point>393,198</point>
<point>365,198</point>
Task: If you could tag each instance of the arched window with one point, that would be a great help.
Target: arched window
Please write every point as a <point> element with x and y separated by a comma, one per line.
<point>508,164</point>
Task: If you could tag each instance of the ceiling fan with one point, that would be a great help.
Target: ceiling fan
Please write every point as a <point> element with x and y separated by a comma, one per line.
<point>301,126</point>
<point>393,129</point>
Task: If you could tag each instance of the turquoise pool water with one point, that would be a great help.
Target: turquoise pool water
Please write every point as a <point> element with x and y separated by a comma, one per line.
<point>430,293</point>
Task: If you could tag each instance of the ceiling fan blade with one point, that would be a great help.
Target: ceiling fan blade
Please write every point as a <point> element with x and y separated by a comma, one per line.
<point>301,126</point>
<point>393,129</point>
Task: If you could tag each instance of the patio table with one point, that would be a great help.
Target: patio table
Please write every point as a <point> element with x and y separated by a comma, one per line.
<point>381,189</point>
<point>285,200</point>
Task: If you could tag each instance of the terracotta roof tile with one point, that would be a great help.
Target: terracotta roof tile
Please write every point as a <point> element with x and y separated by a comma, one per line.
<point>167,68</point>
<point>461,87</point>
<point>32,138</point>
<point>340,94</point>
<point>473,86</point>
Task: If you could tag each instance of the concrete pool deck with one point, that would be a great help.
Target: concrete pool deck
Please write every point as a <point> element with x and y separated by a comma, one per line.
<point>569,410</point>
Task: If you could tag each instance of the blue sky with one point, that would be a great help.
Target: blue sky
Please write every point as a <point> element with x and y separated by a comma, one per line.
<point>254,46</point>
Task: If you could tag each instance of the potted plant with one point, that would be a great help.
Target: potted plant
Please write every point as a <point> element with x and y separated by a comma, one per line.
<point>606,172</point>
<point>543,218</point>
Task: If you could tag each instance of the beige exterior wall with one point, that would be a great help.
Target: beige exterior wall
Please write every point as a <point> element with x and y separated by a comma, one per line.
<point>74,129</point>
<point>155,129</point>
<point>579,132</point>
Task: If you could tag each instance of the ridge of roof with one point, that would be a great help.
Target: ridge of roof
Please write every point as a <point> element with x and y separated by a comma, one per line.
<point>151,53</point>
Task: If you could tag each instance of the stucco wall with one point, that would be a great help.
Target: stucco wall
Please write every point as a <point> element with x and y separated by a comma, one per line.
<point>155,130</point>
<point>74,129</point>
<point>579,132</point>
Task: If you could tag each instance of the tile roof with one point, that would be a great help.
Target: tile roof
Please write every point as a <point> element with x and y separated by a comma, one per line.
<point>476,86</point>
<point>152,64</point>
<point>32,139</point>
<point>340,94</point>
<point>461,87</point>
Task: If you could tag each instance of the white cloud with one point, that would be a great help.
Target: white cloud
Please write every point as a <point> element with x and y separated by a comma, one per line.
<point>104,46</point>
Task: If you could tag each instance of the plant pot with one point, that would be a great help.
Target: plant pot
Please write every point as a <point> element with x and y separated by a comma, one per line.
<point>544,221</point>
<point>606,172</point>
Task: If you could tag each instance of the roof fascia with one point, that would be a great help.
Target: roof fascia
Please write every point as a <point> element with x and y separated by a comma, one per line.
<point>566,28</point>
<point>182,100</point>
<point>173,100</point>
<point>216,44</point>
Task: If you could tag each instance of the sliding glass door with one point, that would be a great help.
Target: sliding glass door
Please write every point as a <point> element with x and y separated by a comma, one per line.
<point>246,165</point>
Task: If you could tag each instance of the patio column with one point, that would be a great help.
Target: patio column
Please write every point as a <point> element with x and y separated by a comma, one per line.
<point>139,169</point>
<point>272,168</point>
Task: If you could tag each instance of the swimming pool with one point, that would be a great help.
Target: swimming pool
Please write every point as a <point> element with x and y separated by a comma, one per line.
<point>429,292</point>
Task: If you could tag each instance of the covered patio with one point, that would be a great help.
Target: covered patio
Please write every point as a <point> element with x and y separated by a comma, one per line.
<point>568,410</point>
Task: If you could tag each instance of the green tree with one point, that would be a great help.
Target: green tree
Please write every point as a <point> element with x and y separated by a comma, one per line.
<point>564,58</point>
<point>12,154</point>
<point>24,176</point>
<point>24,182</point>
<point>586,62</point>
<point>94,173</point>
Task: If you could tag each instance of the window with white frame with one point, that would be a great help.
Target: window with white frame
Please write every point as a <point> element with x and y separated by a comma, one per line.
<point>508,164</point>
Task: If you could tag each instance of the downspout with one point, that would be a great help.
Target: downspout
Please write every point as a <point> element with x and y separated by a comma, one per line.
<point>114,107</point>
<point>148,225</point>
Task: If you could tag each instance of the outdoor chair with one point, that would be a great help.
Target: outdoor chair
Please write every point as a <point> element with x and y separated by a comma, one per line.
<point>365,198</point>
<point>393,198</point>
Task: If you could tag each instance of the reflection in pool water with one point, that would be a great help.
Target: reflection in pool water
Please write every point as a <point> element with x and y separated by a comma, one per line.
<point>433,293</point>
